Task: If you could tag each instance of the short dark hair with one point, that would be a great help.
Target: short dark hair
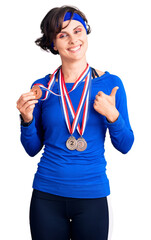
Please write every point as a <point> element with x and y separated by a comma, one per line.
<point>51,25</point>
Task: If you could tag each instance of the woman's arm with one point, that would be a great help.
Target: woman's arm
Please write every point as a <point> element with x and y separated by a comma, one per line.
<point>31,129</point>
<point>121,133</point>
<point>114,108</point>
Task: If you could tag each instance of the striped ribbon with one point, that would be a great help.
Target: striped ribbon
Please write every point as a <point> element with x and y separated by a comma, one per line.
<point>83,103</point>
<point>66,101</point>
<point>53,79</point>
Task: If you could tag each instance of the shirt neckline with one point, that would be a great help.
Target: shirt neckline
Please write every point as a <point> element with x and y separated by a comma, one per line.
<point>94,79</point>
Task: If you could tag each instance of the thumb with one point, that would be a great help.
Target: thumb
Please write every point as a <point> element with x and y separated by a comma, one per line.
<point>114,90</point>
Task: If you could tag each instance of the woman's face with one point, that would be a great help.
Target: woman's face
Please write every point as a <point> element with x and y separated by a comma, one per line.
<point>71,42</point>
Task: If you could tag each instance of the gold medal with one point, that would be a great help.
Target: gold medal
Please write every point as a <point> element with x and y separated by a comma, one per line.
<point>81,144</point>
<point>71,143</point>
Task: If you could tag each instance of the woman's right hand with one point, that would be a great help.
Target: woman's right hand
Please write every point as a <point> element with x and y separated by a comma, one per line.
<point>26,104</point>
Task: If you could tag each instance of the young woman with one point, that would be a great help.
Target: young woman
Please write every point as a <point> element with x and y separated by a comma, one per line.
<point>77,104</point>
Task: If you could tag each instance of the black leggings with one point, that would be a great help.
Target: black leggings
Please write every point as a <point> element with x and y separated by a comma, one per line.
<point>60,218</point>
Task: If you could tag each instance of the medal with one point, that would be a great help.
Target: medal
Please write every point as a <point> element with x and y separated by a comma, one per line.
<point>37,91</point>
<point>81,144</point>
<point>71,143</point>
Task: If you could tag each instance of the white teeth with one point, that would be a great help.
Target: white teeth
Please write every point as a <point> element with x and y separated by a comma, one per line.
<point>74,49</point>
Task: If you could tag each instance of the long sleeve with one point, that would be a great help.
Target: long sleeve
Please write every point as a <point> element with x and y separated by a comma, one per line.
<point>31,136</point>
<point>121,134</point>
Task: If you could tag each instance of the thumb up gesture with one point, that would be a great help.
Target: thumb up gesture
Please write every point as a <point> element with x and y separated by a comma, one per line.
<point>105,105</point>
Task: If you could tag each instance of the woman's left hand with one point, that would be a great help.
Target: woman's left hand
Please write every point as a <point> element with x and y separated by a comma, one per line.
<point>105,105</point>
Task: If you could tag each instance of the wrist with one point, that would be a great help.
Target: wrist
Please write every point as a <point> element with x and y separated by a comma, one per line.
<point>26,119</point>
<point>113,116</point>
<point>25,122</point>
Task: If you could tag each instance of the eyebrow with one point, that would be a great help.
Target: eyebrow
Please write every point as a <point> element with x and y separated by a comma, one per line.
<point>73,29</point>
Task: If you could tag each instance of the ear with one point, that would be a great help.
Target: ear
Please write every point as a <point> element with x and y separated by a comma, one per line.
<point>54,46</point>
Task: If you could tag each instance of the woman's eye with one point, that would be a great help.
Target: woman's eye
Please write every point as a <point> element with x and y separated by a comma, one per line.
<point>62,35</point>
<point>78,30</point>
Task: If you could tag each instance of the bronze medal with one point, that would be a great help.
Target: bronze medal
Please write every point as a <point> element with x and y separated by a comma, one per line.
<point>37,91</point>
<point>71,143</point>
<point>81,144</point>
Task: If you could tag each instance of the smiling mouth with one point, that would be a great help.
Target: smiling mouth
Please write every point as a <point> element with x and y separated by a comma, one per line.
<point>74,49</point>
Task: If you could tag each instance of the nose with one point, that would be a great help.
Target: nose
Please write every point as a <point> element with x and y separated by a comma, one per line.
<point>72,39</point>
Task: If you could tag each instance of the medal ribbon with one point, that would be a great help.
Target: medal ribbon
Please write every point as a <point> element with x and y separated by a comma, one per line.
<point>53,79</point>
<point>50,85</point>
<point>65,98</point>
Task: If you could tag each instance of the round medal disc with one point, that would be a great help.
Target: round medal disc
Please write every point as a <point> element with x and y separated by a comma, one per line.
<point>71,143</point>
<point>81,144</point>
<point>37,91</point>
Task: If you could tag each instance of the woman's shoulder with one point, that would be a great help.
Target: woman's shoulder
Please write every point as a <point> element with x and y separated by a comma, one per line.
<point>99,73</point>
<point>106,81</point>
<point>107,76</point>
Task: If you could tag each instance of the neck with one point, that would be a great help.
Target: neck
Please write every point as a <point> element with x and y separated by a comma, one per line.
<point>71,71</point>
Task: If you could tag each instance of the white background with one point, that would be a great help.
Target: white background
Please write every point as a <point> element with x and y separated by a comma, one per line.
<point>119,43</point>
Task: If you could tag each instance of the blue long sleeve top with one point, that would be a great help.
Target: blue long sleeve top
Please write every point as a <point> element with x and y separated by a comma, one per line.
<point>71,173</point>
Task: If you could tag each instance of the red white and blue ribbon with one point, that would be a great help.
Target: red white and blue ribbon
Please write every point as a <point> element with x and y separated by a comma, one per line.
<point>66,101</point>
<point>48,89</point>
<point>53,79</point>
<point>83,103</point>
